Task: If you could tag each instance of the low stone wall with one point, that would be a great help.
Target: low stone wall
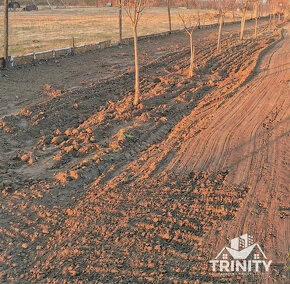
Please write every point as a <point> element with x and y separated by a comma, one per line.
<point>1,62</point>
<point>56,53</point>
<point>130,40</point>
<point>50,54</point>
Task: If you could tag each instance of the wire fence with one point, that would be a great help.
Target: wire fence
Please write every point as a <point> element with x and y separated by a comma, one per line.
<point>45,29</point>
<point>49,33</point>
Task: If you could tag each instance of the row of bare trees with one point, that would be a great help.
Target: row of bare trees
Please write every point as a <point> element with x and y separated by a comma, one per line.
<point>135,8</point>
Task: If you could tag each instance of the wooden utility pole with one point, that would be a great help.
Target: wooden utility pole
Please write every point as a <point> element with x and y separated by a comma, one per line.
<point>169,15</point>
<point>120,21</point>
<point>6,58</point>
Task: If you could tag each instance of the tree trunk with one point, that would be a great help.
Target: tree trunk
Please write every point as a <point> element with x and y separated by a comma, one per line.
<point>6,59</point>
<point>198,18</point>
<point>234,17</point>
<point>243,20</point>
<point>256,20</point>
<point>137,86</point>
<point>50,7</point>
<point>256,25</point>
<point>169,15</point>
<point>120,21</point>
<point>192,51</point>
<point>220,33</point>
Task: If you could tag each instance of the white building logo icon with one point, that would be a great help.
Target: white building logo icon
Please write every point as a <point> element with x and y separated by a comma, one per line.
<point>243,255</point>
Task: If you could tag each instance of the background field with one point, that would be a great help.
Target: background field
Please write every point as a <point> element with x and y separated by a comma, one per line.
<point>51,29</point>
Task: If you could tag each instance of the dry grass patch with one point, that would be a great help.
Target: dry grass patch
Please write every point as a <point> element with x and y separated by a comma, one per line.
<point>51,29</point>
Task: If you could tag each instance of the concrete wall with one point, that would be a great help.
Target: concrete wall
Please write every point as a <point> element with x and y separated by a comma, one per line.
<point>1,62</point>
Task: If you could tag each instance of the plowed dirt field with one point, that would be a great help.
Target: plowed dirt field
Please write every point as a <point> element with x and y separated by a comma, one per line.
<point>93,190</point>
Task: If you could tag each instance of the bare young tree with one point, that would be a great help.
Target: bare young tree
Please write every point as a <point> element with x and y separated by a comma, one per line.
<point>134,10</point>
<point>284,9</point>
<point>189,27</point>
<point>256,7</point>
<point>196,5</point>
<point>232,5</point>
<point>207,17</point>
<point>245,6</point>
<point>222,8</point>
<point>270,18</point>
<point>221,22</point>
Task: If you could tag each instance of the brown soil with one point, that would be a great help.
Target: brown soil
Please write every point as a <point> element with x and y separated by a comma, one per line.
<point>95,190</point>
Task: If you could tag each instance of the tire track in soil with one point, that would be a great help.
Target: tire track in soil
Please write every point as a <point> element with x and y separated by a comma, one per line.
<point>238,140</point>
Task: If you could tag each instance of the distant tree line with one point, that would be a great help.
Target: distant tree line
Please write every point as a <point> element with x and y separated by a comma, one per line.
<point>208,4</point>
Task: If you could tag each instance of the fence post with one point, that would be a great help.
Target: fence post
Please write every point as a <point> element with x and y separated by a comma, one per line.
<point>73,46</point>
<point>6,58</point>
